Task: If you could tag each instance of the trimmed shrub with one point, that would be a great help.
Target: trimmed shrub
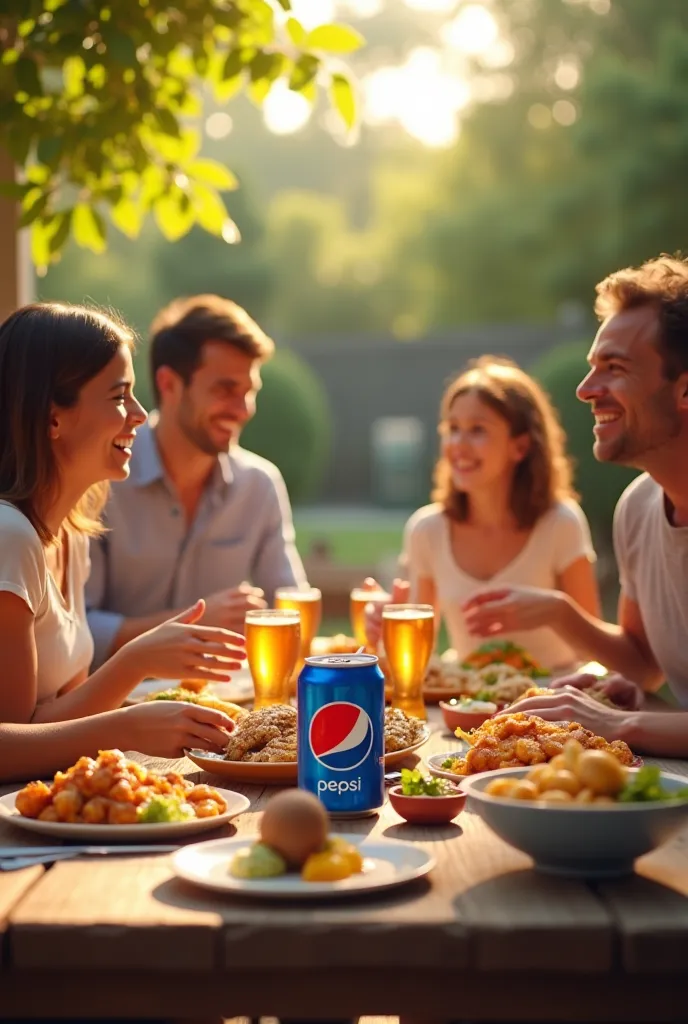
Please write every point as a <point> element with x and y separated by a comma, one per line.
<point>292,426</point>
<point>600,484</point>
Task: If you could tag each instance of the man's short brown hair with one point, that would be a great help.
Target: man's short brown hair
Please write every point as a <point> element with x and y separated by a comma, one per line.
<point>180,331</point>
<point>663,284</point>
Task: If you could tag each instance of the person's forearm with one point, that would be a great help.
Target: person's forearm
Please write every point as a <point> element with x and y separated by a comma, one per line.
<point>35,751</point>
<point>131,628</point>
<point>662,733</point>
<point>607,643</point>
<point>104,690</point>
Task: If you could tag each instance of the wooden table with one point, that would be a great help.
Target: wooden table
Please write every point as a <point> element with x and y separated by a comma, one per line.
<point>485,938</point>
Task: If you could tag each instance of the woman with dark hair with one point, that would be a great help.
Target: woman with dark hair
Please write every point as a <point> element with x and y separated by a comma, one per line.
<point>504,510</point>
<point>68,418</point>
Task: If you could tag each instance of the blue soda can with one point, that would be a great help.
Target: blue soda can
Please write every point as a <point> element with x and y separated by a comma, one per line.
<point>341,745</point>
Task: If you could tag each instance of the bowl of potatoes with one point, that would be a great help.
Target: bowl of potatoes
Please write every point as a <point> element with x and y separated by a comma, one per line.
<point>582,814</point>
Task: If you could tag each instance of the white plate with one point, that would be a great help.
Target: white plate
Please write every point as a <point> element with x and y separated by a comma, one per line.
<point>386,863</point>
<point>236,803</point>
<point>239,690</point>
<point>434,762</point>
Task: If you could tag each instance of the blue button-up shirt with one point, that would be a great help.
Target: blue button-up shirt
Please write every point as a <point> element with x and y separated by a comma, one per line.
<point>150,560</point>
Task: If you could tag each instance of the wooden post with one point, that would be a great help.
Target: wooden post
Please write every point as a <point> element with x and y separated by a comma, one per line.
<point>16,276</point>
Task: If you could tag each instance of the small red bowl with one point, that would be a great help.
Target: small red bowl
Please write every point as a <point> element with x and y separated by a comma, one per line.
<point>455,718</point>
<point>427,810</point>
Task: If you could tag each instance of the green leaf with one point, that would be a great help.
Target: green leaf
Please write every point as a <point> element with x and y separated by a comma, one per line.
<point>285,4</point>
<point>33,205</point>
<point>128,217</point>
<point>259,91</point>
<point>89,228</point>
<point>266,66</point>
<point>59,232</point>
<point>168,122</point>
<point>25,28</point>
<point>172,216</point>
<point>210,211</point>
<point>335,38</point>
<point>210,172</point>
<point>297,33</point>
<point>235,63</point>
<point>305,70</point>
<point>343,99</point>
<point>73,75</point>
<point>40,245</point>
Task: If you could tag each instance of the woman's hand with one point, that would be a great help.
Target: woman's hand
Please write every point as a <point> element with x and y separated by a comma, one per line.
<point>373,609</point>
<point>570,705</point>
<point>512,609</point>
<point>625,693</point>
<point>181,648</point>
<point>165,728</point>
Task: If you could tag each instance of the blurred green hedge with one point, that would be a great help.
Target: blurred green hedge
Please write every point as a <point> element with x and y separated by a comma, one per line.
<point>599,484</point>
<point>293,426</point>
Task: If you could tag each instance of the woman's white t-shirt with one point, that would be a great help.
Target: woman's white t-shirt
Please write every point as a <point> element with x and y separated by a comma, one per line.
<point>64,644</point>
<point>558,539</point>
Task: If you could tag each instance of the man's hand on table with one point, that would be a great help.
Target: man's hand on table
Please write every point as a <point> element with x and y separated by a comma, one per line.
<point>228,608</point>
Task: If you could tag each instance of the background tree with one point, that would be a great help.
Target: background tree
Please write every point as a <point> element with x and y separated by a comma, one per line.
<point>98,102</point>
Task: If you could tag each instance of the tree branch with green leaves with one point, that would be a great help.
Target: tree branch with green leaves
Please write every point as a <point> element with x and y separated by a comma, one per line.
<point>100,104</point>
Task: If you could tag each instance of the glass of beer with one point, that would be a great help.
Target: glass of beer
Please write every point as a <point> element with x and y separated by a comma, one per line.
<point>408,635</point>
<point>308,603</point>
<point>358,599</point>
<point>273,640</point>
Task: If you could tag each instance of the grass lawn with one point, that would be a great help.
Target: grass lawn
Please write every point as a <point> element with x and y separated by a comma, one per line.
<point>350,546</point>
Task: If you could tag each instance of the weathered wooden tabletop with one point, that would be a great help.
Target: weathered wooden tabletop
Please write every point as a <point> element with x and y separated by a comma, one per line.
<point>484,938</point>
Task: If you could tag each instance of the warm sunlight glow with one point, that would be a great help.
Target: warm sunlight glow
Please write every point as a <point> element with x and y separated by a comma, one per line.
<point>473,31</point>
<point>432,5</point>
<point>218,125</point>
<point>419,95</point>
<point>285,112</point>
<point>314,12</point>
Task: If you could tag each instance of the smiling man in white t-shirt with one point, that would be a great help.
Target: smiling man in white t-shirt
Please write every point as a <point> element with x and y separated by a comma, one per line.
<point>637,388</point>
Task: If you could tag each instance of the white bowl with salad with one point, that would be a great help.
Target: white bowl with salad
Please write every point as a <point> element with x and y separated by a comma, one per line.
<point>585,817</point>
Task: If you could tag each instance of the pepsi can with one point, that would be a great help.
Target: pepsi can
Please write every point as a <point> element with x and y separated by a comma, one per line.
<point>341,722</point>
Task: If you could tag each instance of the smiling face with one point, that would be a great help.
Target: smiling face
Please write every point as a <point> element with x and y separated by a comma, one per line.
<point>92,439</point>
<point>637,411</point>
<point>218,401</point>
<point>478,446</point>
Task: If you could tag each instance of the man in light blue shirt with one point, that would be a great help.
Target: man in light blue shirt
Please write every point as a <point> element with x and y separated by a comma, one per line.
<point>198,516</point>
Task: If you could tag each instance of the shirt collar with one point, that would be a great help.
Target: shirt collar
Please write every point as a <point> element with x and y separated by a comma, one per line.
<point>147,467</point>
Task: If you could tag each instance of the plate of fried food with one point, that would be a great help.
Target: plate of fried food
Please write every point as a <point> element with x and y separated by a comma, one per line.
<point>516,741</point>
<point>113,798</point>
<point>498,671</point>
<point>294,856</point>
<point>262,747</point>
<point>221,696</point>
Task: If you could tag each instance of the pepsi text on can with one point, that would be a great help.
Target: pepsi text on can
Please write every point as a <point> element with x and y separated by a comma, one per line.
<point>341,733</point>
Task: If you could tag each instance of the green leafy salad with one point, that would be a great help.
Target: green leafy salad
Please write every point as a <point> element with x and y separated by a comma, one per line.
<point>646,786</point>
<point>415,784</point>
<point>164,808</point>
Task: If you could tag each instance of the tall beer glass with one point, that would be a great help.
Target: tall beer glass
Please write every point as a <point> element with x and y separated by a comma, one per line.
<point>272,650</point>
<point>358,599</point>
<point>408,635</point>
<point>308,603</point>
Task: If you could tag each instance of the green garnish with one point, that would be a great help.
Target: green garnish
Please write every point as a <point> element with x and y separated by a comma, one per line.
<point>646,786</point>
<point>445,764</point>
<point>415,784</point>
<point>164,808</point>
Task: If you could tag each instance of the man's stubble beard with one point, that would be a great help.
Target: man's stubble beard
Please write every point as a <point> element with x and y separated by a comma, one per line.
<point>634,451</point>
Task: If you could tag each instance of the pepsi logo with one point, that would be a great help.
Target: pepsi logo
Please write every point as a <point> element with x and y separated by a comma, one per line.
<point>340,736</point>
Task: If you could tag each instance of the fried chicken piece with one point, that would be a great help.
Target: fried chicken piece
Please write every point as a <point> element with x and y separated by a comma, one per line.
<point>520,739</point>
<point>268,734</point>
<point>401,730</point>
